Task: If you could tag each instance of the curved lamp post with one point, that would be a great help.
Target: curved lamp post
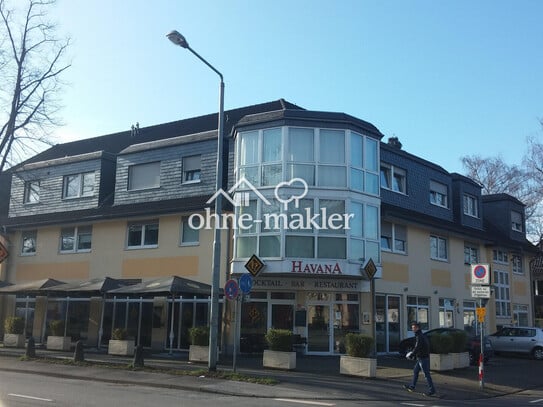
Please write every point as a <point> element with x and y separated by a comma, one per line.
<point>178,39</point>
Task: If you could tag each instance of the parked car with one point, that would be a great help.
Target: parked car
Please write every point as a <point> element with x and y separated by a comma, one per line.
<point>519,339</point>
<point>473,344</point>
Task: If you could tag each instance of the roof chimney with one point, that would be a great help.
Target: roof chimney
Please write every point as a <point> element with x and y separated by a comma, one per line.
<point>394,142</point>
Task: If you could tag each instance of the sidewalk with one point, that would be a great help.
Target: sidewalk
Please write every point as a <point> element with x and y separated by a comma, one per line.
<point>316,377</point>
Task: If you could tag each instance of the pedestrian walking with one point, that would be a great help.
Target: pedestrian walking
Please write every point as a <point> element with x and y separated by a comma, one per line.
<point>421,352</point>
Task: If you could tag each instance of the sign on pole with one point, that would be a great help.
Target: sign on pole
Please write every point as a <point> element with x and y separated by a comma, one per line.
<point>480,291</point>
<point>231,289</point>
<point>480,274</point>
<point>246,283</point>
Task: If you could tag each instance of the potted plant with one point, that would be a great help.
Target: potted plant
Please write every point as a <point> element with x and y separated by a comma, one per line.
<point>14,332</point>
<point>460,354</point>
<point>441,358</point>
<point>56,339</point>
<point>358,362</point>
<point>119,344</point>
<point>199,348</point>
<point>280,354</point>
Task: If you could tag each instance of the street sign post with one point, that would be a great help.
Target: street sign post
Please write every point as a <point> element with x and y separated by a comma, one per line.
<point>480,291</point>
<point>254,265</point>
<point>231,289</point>
<point>480,274</point>
<point>246,283</point>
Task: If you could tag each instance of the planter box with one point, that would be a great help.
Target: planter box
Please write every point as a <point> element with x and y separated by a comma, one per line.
<point>441,362</point>
<point>279,360</point>
<point>121,347</point>
<point>14,340</point>
<point>198,353</point>
<point>59,343</point>
<point>353,366</point>
<point>461,360</point>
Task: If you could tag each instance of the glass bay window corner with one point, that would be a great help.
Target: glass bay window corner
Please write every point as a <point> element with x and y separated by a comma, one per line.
<point>334,163</point>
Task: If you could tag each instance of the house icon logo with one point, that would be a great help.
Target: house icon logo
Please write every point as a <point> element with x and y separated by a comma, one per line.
<point>241,198</point>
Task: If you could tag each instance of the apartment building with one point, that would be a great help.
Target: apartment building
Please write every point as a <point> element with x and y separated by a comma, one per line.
<point>315,196</point>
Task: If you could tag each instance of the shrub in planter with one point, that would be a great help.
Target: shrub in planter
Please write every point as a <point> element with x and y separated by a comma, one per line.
<point>119,334</point>
<point>56,327</point>
<point>14,325</point>
<point>459,339</point>
<point>358,345</point>
<point>279,340</point>
<point>199,335</point>
<point>441,343</point>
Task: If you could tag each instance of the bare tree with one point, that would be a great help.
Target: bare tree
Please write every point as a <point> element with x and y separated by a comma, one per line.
<point>31,62</point>
<point>524,182</point>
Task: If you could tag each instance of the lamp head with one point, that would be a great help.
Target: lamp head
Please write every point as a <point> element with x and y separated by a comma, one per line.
<point>177,38</point>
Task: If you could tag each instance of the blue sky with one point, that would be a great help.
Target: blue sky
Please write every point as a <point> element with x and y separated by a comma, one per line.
<point>449,78</point>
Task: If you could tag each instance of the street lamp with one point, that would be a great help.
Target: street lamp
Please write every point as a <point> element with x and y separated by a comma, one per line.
<point>178,39</point>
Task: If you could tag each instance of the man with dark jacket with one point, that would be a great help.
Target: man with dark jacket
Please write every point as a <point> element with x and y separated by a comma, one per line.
<point>421,352</point>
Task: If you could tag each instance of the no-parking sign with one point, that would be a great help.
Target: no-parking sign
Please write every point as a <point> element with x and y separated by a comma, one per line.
<point>480,274</point>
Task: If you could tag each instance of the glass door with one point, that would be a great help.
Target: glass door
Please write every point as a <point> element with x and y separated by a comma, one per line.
<point>387,323</point>
<point>318,328</point>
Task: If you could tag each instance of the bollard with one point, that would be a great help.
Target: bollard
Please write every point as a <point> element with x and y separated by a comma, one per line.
<point>138,357</point>
<point>79,355</point>
<point>31,348</point>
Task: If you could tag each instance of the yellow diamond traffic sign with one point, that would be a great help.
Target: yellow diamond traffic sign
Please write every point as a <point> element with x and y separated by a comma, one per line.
<point>254,265</point>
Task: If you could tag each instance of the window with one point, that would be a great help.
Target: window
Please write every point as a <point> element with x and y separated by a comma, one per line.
<point>501,291</point>
<point>32,192</point>
<point>418,309</point>
<point>499,256</point>
<point>191,168</point>
<point>190,235</point>
<point>470,206</point>
<point>393,178</point>
<point>471,254</point>
<point>144,234</point>
<point>75,239</point>
<point>78,185</point>
<point>438,248</point>
<point>446,312</point>
<point>438,194</point>
<point>393,237</point>
<point>516,221</point>
<point>471,323</point>
<point>516,261</point>
<point>331,169</point>
<point>144,176</point>
<point>29,242</point>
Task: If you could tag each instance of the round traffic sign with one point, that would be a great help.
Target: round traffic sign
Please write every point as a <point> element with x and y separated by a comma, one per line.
<point>479,271</point>
<point>246,283</point>
<point>231,289</point>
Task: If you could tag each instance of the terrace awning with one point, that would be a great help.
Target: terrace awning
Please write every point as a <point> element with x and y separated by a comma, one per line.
<point>173,285</point>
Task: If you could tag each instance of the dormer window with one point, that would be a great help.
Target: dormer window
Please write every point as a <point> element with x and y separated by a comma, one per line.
<point>78,185</point>
<point>32,192</point>
<point>470,206</point>
<point>191,168</point>
<point>438,194</point>
<point>516,221</point>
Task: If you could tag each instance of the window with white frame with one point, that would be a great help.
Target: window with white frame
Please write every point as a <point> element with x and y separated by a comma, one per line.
<point>418,309</point>
<point>516,262</point>
<point>393,178</point>
<point>438,248</point>
<point>75,239</point>
<point>393,237</point>
<point>78,185</point>
<point>470,206</point>
<point>499,256</point>
<point>446,312</point>
<point>31,192</point>
<point>471,324</point>
<point>191,168</point>
<point>190,230</point>
<point>29,242</point>
<point>142,235</point>
<point>331,170</point>
<point>471,254</point>
<point>520,315</point>
<point>438,194</point>
<point>144,176</point>
<point>501,291</point>
<point>516,221</point>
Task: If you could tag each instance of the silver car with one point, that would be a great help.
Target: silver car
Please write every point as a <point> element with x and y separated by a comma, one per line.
<point>519,339</point>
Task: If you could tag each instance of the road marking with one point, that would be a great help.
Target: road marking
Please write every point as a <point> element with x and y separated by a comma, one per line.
<point>314,403</point>
<point>28,397</point>
<point>536,401</point>
<point>413,404</point>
